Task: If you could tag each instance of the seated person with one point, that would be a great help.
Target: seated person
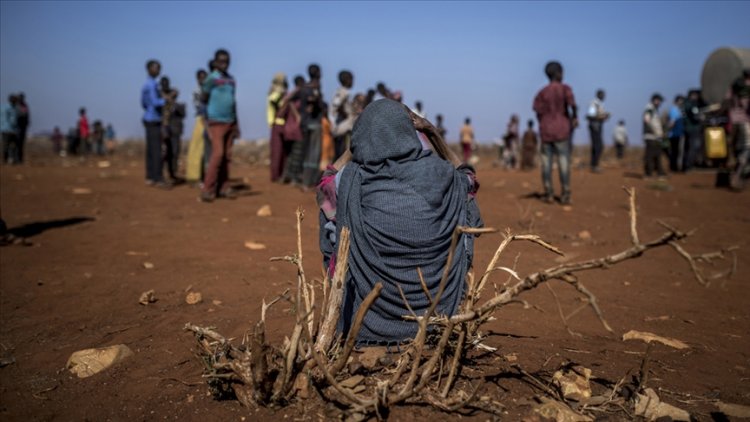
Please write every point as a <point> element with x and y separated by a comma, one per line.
<point>401,203</point>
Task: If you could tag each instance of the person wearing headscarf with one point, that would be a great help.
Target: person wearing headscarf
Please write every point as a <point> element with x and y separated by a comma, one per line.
<point>275,101</point>
<point>402,203</point>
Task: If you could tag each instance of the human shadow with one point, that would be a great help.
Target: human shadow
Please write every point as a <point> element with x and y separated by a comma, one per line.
<point>33,229</point>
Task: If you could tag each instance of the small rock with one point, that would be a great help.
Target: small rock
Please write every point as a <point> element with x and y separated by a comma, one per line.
<point>103,164</point>
<point>567,208</point>
<point>512,357</point>
<point>734,410</point>
<point>355,367</point>
<point>370,356</point>
<point>352,382</point>
<point>216,302</point>
<point>190,398</point>
<point>193,298</point>
<point>264,211</point>
<point>85,363</point>
<point>584,235</point>
<point>538,214</point>
<point>650,407</point>
<point>558,412</point>
<point>573,383</point>
<point>81,191</point>
<point>254,246</point>
<point>148,265</point>
<point>147,297</point>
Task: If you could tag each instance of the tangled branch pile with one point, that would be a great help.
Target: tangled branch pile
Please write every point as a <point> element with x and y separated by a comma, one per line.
<point>427,371</point>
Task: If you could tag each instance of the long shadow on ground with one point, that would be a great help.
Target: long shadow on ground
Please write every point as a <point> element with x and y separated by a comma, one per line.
<point>33,229</point>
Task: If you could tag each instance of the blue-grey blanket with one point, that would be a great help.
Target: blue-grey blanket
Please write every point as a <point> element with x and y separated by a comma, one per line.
<point>401,204</point>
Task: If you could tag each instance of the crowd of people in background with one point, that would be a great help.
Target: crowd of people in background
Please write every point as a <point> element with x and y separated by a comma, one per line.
<point>308,134</point>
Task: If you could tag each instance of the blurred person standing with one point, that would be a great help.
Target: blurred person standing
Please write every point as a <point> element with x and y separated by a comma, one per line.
<point>152,103</point>
<point>418,110</point>
<point>221,113</point>
<point>342,115</point>
<point>467,139</point>
<point>439,126</point>
<point>97,137</point>
<point>111,139</point>
<point>274,103</point>
<point>292,114</point>
<point>653,136</point>
<point>739,120</point>
<point>23,119</point>
<point>676,124</point>
<point>557,113</point>
<point>312,105</point>
<point>84,132</point>
<point>620,139</point>
<point>9,129</point>
<point>529,147</point>
<point>510,144</point>
<point>197,142</point>
<point>693,128</point>
<point>596,116</point>
<point>57,141</point>
<point>171,128</point>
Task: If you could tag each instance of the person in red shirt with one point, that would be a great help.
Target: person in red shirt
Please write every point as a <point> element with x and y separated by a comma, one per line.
<point>556,110</point>
<point>83,130</point>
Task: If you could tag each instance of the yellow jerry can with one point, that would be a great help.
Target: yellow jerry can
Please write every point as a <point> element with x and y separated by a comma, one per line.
<point>716,142</point>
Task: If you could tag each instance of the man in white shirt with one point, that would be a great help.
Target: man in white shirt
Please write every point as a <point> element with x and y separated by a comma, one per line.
<point>596,116</point>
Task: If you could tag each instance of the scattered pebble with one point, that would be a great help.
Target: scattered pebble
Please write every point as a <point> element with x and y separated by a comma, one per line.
<point>254,246</point>
<point>147,297</point>
<point>264,211</point>
<point>584,235</point>
<point>193,298</point>
<point>148,265</point>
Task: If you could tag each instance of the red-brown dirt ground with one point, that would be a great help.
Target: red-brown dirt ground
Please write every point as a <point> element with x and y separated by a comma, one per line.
<point>77,286</point>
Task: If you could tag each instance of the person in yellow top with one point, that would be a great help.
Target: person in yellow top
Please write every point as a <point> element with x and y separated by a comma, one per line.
<point>467,139</point>
<point>275,102</point>
<point>194,167</point>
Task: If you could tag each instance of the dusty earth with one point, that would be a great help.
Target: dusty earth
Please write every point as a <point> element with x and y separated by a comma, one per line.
<point>77,283</point>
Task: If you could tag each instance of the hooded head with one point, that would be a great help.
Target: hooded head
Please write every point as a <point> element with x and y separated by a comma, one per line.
<point>384,131</point>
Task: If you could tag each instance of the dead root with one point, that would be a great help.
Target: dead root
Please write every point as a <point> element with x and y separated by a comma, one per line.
<point>428,370</point>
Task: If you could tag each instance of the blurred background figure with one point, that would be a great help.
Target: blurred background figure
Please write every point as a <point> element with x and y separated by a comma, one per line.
<point>620,139</point>
<point>57,141</point>
<point>97,137</point>
<point>529,147</point>
<point>84,133</point>
<point>221,112</point>
<point>9,128</point>
<point>274,103</point>
<point>556,110</point>
<point>467,139</point>
<point>111,140</point>
<point>439,126</point>
<point>172,115</point>
<point>510,144</point>
<point>23,119</point>
<point>342,114</point>
<point>653,135</point>
<point>596,115</point>
<point>152,103</point>
<point>693,127</point>
<point>676,134</point>
<point>194,167</point>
